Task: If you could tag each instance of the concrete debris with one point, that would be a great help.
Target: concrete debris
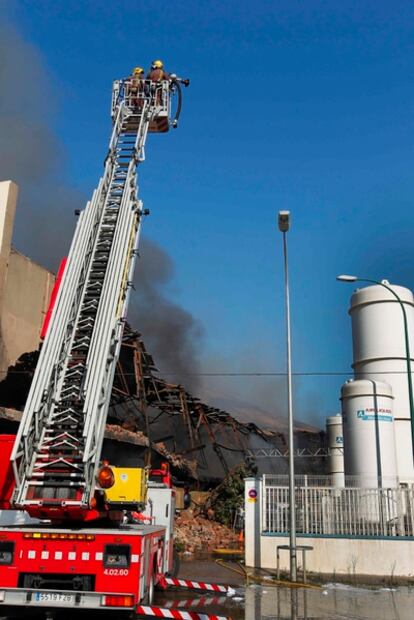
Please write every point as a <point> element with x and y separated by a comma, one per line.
<point>113,431</point>
<point>195,533</point>
<point>11,415</point>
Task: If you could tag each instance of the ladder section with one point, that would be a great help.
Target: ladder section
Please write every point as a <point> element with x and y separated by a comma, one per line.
<point>57,450</point>
<point>58,470</point>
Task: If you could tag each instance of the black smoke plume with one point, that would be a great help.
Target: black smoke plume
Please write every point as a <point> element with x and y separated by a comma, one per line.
<point>171,334</point>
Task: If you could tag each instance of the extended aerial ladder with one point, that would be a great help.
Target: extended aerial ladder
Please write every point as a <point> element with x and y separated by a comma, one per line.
<point>82,554</point>
<point>57,450</point>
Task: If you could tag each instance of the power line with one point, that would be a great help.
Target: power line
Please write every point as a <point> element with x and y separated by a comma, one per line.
<point>320,373</point>
<point>280,374</point>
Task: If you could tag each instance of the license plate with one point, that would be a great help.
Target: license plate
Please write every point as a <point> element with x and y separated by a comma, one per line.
<point>54,597</point>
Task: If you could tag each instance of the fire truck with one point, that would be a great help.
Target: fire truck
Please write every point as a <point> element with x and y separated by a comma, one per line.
<point>75,549</point>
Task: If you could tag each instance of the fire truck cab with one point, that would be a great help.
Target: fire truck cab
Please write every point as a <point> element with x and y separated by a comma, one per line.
<point>86,567</point>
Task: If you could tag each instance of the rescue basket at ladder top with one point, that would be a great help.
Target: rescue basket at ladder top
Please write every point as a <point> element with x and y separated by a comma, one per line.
<point>57,450</point>
<point>135,93</point>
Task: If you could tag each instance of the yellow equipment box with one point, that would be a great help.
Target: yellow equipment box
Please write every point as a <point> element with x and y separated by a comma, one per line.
<point>130,487</point>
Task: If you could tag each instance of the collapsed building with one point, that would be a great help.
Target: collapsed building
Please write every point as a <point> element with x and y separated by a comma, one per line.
<point>150,419</point>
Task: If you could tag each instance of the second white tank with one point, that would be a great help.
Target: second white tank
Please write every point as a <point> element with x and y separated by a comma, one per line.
<point>368,427</point>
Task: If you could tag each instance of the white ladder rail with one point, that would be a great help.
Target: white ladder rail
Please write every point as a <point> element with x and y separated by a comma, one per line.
<point>52,343</point>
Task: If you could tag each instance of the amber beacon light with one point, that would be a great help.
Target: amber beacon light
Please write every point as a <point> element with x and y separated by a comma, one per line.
<point>106,477</point>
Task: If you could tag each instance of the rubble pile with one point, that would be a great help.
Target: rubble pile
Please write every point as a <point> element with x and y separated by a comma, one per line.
<point>196,533</point>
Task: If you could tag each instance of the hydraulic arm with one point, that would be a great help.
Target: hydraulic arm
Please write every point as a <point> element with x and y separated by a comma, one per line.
<point>58,447</point>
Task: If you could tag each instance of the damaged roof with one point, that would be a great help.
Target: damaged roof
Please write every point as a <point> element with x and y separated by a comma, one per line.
<point>149,415</point>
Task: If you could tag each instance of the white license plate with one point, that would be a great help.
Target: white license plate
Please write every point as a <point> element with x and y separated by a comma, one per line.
<point>54,597</point>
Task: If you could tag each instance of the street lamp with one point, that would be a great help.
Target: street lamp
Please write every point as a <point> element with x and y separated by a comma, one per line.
<point>284,222</point>
<point>384,284</point>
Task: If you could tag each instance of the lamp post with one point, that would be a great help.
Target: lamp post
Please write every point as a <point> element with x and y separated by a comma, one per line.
<point>348,278</point>
<point>284,223</point>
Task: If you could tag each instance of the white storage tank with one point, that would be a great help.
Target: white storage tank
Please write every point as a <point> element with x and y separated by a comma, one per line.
<point>379,353</point>
<point>336,449</point>
<point>368,426</point>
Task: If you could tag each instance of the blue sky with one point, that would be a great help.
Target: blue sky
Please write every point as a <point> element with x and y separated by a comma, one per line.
<point>306,106</point>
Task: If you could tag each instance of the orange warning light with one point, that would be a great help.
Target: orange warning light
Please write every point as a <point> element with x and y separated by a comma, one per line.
<point>106,477</point>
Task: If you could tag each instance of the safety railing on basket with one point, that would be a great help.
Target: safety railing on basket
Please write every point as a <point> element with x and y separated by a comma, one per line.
<point>133,92</point>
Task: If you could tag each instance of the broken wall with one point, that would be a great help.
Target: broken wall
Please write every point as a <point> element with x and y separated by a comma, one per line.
<point>25,289</point>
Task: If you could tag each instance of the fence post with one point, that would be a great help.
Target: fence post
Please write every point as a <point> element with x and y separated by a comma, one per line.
<point>264,518</point>
<point>306,506</point>
<point>401,494</point>
<point>253,520</point>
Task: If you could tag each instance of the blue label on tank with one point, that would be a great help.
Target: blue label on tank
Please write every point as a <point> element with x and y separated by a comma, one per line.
<point>339,439</point>
<point>383,415</point>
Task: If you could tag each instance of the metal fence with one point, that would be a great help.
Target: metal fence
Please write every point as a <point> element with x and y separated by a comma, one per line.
<point>326,480</point>
<point>327,510</point>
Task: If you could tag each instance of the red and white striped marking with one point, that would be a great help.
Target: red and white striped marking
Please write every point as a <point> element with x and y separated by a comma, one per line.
<point>201,601</point>
<point>195,585</point>
<point>160,612</point>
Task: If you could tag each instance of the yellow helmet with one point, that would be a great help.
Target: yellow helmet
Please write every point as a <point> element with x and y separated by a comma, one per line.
<point>137,70</point>
<point>157,64</point>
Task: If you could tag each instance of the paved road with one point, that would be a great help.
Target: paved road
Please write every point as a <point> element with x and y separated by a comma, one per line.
<point>332,602</point>
<point>335,601</point>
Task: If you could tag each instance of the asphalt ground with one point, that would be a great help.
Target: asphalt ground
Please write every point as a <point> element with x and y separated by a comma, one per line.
<point>270,602</point>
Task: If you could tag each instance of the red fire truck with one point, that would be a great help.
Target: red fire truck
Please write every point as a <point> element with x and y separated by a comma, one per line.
<point>66,543</point>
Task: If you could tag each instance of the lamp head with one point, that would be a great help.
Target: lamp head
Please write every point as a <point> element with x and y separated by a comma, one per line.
<point>347,278</point>
<point>284,221</point>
